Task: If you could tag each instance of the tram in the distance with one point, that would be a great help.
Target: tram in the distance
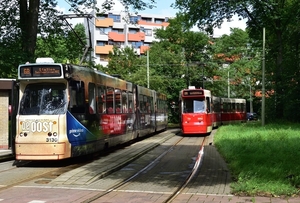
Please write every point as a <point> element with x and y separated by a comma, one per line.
<point>67,111</point>
<point>200,111</point>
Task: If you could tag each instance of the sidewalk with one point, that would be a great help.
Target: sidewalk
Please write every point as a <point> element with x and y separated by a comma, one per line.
<point>6,154</point>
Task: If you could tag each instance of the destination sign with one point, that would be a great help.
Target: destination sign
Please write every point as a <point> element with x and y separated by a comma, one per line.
<point>193,92</point>
<point>40,71</point>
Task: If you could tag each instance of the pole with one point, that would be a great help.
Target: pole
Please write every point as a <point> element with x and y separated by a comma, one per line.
<point>251,105</point>
<point>263,81</point>
<point>228,86</point>
<point>203,76</point>
<point>148,68</point>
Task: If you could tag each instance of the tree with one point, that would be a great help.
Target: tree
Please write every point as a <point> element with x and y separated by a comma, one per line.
<point>192,45</point>
<point>124,62</point>
<point>241,60</point>
<point>22,21</point>
<point>64,47</point>
<point>278,17</point>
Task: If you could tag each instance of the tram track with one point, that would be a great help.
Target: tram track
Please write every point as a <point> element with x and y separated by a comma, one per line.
<point>137,175</point>
<point>14,173</point>
<point>165,167</point>
<point>191,175</point>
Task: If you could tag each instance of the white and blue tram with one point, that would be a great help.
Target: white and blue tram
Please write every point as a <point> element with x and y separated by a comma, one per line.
<point>67,111</point>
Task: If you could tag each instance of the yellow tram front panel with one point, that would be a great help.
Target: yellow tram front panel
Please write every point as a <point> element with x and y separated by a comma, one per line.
<point>42,138</point>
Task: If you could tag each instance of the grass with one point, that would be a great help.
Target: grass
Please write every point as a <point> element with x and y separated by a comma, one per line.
<point>264,160</point>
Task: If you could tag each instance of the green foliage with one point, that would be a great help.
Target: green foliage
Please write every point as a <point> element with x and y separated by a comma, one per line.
<point>280,20</point>
<point>22,21</point>
<point>182,58</point>
<point>261,159</point>
<point>124,62</point>
<point>62,48</point>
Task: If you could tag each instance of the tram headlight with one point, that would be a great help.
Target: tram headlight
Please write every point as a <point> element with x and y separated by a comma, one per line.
<point>55,134</point>
<point>200,119</point>
<point>67,75</point>
<point>49,134</point>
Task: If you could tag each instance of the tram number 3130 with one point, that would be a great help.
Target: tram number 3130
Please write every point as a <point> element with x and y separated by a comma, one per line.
<point>51,139</point>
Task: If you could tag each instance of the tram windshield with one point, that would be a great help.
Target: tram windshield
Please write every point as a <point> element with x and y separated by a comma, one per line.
<point>194,106</point>
<point>44,99</point>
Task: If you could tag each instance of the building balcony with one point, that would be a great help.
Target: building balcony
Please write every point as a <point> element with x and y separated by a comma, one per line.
<point>137,37</point>
<point>117,37</point>
<point>103,49</point>
<point>120,37</point>
<point>143,22</point>
<point>107,22</point>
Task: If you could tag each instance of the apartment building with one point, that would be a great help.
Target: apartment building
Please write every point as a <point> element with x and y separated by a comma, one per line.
<point>121,30</point>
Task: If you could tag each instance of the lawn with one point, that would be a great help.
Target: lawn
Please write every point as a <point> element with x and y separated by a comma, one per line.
<point>264,160</point>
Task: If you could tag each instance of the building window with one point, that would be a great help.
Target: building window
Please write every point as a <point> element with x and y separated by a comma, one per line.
<point>110,42</point>
<point>105,30</point>
<point>101,43</point>
<point>136,44</point>
<point>120,31</point>
<point>116,18</point>
<point>159,21</point>
<point>149,20</point>
<point>133,31</point>
<point>101,16</point>
<point>134,19</point>
<point>148,32</point>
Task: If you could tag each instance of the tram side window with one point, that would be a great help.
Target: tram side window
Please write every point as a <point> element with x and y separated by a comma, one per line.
<point>233,107</point>
<point>217,106</point>
<point>151,106</point>
<point>77,96</point>
<point>101,99</point>
<point>118,101</point>
<point>208,106</point>
<point>110,100</point>
<point>225,107</point>
<point>238,107</point>
<point>145,104</point>
<point>124,102</point>
<point>130,102</point>
<point>140,106</point>
<point>158,106</point>
<point>92,98</point>
<point>148,104</point>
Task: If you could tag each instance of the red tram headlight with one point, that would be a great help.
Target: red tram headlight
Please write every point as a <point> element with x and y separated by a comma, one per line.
<point>200,119</point>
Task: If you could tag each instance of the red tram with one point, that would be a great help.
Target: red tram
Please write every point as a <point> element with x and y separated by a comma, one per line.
<point>200,111</point>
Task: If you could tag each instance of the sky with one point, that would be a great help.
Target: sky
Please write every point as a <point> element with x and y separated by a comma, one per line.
<point>163,7</point>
